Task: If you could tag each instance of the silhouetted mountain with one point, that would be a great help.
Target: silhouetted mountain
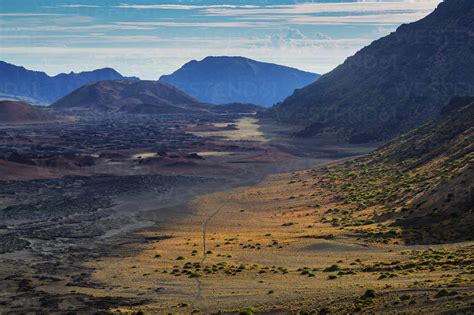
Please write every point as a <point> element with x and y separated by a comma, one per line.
<point>18,112</point>
<point>222,80</point>
<point>38,87</point>
<point>394,84</point>
<point>140,97</point>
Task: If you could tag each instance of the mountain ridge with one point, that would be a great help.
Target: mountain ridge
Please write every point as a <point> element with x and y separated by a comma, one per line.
<point>392,85</point>
<point>236,79</point>
<point>127,96</point>
<point>20,83</point>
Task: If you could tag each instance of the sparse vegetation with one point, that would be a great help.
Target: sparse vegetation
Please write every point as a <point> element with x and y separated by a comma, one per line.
<point>369,294</point>
<point>332,268</point>
<point>247,311</point>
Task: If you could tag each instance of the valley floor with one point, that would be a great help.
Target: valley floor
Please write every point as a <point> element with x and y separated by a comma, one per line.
<point>262,248</point>
<point>215,237</point>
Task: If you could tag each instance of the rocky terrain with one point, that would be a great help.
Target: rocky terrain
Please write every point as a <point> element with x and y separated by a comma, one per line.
<point>396,83</point>
<point>173,214</point>
<point>389,232</point>
<point>135,197</point>
<point>75,191</point>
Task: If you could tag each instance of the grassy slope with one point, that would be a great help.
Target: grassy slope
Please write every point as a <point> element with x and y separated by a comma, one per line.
<point>419,185</point>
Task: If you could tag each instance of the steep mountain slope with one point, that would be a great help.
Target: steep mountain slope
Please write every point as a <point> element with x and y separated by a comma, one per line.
<point>394,84</point>
<point>221,80</point>
<point>129,96</point>
<point>417,187</point>
<point>18,112</point>
<point>35,86</point>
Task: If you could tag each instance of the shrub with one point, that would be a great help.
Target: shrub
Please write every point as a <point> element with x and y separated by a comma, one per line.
<point>405,297</point>
<point>444,292</point>
<point>332,268</point>
<point>369,294</point>
<point>247,311</point>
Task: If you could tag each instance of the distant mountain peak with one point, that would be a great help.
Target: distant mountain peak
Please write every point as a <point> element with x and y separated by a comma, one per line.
<point>237,79</point>
<point>144,97</point>
<point>16,82</point>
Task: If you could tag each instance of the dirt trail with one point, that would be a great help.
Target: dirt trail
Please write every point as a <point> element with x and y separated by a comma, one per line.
<point>204,250</point>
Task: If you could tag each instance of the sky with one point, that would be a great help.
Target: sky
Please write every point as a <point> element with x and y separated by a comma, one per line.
<point>149,38</point>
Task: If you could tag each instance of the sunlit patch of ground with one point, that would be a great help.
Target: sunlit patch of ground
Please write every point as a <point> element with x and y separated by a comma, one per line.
<point>247,131</point>
<point>214,153</point>
<point>265,247</point>
<point>144,155</point>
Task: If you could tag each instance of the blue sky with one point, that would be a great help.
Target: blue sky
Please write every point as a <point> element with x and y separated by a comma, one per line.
<point>148,38</point>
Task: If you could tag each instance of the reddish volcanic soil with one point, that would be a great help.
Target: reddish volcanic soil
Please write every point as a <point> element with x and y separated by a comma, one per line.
<point>15,112</point>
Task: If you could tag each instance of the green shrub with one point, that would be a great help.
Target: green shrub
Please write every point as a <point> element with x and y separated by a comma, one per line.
<point>444,292</point>
<point>332,268</point>
<point>405,297</point>
<point>247,311</point>
<point>369,294</point>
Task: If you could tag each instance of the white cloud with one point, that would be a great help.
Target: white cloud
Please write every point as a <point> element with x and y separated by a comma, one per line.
<point>197,24</point>
<point>75,43</point>
<point>362,12</point>
<point>339,7</point>
<point>27,14</point>
<point>79,6</point>
<point>379,19</point>
<point>163,56</point>
<point>182,6</point>
<point>302,7</point>
<point>62,28</point>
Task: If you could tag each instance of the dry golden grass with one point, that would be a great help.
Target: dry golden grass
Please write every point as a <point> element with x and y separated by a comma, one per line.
<point>266,247</point>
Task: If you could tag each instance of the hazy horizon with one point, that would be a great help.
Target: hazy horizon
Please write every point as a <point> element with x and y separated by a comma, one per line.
<point>151,38</point>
